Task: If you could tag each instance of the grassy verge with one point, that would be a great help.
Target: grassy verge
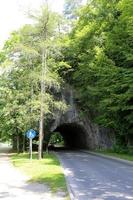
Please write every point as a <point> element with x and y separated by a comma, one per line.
<point>117,155</point>
<point>47,170</point>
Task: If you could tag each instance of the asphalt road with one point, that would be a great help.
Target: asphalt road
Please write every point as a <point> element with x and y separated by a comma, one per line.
<point>94,178</point>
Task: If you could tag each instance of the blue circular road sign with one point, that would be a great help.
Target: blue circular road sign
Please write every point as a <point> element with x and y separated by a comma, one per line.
<point>31,134</point>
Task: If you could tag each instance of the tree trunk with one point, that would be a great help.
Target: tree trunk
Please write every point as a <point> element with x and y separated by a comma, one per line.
<point>18,144</point>
<point>41,131</point>
<point>14,142</point>
<point>24,143</point>
<point>41,136</point>
<point>43,74</point>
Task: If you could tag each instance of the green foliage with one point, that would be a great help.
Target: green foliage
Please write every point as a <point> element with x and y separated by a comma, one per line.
<point>71,7</point>
<point>119,149</point>
<point>100,52</point>
<point>96,58</point>
<point>56,138</point>
<point>20,84</point>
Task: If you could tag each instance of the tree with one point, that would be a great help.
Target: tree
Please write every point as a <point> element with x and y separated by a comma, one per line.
<point>45,32</point>
<point>71,7</point>
<point>32,76</point>
<point>100,53</point>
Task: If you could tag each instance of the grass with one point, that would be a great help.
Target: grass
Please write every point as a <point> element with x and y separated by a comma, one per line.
<point>47,170</point>
<point>118,155</point>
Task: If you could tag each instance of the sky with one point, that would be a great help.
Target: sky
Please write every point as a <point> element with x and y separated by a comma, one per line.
<point>13,14</point>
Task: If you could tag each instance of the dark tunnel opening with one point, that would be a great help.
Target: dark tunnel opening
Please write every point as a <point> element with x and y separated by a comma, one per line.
<point>73,134</point>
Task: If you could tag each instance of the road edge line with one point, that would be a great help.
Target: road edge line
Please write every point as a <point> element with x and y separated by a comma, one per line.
<point>126,162</point>
<point>70,191</point>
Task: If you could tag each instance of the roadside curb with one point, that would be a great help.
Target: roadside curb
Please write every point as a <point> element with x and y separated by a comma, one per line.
<point>70,191</point>
<point>126,162</point>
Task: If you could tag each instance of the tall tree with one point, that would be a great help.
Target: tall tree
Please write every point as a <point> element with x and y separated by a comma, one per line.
<point>46,23</point>
<point>34,59</point>
<point>100,53</point>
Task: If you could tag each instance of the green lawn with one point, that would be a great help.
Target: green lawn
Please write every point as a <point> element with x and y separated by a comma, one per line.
<point>47,170</point>
<point>118,155</point>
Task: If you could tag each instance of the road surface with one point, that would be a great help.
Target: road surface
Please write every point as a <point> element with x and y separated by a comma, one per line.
<point>94,178</point>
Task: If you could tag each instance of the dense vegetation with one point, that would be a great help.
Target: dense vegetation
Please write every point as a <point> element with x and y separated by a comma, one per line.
<point>32,60</point>
<point>89,47</point>
<point>102,62</point>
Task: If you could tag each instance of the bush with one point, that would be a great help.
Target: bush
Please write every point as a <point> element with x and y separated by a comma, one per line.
<point>119,149</point>
<point>130,150</point>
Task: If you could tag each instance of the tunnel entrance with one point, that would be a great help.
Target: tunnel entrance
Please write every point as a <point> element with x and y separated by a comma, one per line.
<point>73,134</point>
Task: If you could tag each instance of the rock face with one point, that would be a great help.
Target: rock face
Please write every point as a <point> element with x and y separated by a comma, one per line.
<point>79,131</point>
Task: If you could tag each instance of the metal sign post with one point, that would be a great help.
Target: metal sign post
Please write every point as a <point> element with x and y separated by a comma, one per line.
<point>30,135</point>
<point>30,149</point>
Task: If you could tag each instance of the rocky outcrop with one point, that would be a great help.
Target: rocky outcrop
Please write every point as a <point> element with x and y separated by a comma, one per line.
<point>80,131</point>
